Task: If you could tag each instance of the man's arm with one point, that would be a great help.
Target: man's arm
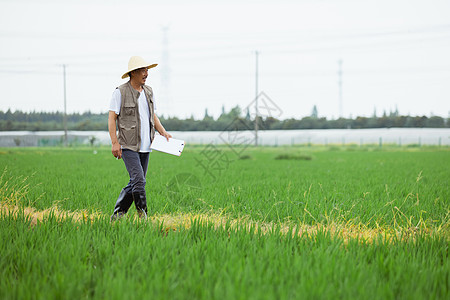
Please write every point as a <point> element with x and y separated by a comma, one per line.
<point>160,129</point>
<point>115,148</point>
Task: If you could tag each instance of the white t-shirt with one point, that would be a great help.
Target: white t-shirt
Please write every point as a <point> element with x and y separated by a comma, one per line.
<point>115,105</point>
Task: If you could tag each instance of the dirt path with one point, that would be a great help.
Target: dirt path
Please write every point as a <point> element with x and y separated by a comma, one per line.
<point>173,222</point>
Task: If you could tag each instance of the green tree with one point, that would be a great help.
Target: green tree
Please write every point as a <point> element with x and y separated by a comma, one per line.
<point>435,122</point>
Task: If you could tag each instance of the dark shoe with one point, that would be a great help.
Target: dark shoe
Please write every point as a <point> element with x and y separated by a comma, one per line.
<point>123,204</point>
<point>142,215</point>
<point>140,201</point>
<point>117,216</point>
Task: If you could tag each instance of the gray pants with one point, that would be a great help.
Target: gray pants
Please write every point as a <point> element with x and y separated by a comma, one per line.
<point>136,164</point>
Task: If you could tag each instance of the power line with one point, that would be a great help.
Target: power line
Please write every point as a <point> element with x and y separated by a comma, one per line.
<point>274,73</point>
<point>204,51</point>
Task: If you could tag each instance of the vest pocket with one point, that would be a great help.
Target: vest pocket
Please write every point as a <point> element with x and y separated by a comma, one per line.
<point>129,109</point>
<point>128,134</point>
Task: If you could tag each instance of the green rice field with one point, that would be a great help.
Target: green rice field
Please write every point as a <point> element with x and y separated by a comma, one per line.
<point>292,222</point>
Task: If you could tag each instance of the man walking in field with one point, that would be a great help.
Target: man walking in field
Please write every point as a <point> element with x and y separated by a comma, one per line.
<point>132,110</point>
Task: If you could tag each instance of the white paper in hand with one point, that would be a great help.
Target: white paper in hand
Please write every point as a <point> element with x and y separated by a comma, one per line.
<point>173,146</point>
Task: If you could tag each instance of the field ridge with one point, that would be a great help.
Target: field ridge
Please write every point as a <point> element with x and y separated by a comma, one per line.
<point>176,221</point>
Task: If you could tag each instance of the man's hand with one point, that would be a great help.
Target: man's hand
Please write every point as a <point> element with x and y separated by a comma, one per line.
<point>166,135</point>
<point>116,150</point>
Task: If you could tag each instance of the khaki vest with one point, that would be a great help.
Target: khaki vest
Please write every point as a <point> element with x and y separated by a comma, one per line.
<point>128,121</point>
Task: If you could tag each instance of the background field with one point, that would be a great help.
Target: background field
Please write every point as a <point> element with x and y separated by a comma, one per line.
<point>310,184</point>
<point>401,192</point>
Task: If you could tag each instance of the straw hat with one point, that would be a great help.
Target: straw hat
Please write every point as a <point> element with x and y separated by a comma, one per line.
<point>137,62</point>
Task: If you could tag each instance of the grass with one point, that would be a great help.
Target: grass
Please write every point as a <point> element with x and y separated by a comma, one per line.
<point>294,157</point>
<point>130,259</point>
<point>376,188</point>
<point>360,223</point>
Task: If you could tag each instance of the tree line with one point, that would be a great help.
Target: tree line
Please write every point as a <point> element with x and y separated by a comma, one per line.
<point>231,120</point>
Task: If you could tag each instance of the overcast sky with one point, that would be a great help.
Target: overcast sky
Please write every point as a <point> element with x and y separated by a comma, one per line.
<point>395,54</point>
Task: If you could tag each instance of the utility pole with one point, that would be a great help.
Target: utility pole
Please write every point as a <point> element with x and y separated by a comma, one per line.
<point>256,100</point>
<point>65,107</point>
<point>340,88</point>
